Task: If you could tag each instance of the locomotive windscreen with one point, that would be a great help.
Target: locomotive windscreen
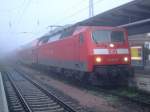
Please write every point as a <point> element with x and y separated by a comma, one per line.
<point>102,36</point>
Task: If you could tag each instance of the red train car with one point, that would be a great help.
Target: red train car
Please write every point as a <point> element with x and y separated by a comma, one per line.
<point>25,54</point>
<point>94,53</point>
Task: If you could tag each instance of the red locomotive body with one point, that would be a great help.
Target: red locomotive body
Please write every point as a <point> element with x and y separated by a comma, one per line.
<point>91,52</point>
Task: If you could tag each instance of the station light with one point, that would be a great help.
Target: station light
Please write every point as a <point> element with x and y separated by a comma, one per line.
<point>98,59</point>
<point>148,34</point>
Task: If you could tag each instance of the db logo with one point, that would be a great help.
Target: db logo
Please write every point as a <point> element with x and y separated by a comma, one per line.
<point>112,51</point>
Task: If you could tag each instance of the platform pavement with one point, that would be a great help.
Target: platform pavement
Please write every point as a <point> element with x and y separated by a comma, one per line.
<point>142,79</point>
<point>3,101</point>
<point>143,71</point>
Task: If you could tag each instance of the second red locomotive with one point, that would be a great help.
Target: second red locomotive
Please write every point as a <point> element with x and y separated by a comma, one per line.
<point>93,53</point>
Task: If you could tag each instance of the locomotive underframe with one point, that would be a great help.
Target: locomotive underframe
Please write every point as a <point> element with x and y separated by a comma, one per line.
<point>112,75</point>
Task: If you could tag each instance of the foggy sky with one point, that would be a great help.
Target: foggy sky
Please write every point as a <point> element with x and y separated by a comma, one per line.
<point>24,20</point>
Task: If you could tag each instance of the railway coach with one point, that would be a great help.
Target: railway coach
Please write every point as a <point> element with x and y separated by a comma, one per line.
<point>95,54</point>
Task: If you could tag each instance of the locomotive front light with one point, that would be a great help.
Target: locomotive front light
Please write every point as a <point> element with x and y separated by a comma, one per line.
<point>111,45</point>
<point>126,59</point>
<point>98,59</point>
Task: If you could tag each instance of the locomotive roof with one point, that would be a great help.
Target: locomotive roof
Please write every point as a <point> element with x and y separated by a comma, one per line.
<point>69,28</point>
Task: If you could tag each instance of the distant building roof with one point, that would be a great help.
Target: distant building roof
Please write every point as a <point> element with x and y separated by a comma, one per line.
<point>133,12</point>
<point>124,14</point>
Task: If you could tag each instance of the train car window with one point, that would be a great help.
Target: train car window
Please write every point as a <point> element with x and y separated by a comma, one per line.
<point>81,38</point>
<point>43,40</point>
<point>67,32</point>
<point>40,43</point>
<point>54,38</point>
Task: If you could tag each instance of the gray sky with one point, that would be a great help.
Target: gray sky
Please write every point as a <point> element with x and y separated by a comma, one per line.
<point>34,17</point>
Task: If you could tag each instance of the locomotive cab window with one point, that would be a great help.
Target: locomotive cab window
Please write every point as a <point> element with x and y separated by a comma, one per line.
<point>100,36</point>
<point>117,36</point>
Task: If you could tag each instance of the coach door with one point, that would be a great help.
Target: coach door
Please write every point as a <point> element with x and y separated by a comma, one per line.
<point>35,55</point>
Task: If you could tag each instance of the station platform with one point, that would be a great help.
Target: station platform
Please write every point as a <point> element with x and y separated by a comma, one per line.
<point>142,79</point>
<point>145,70</point>
<point>3,101</point>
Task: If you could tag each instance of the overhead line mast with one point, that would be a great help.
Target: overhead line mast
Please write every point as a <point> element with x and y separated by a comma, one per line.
<point>91,8</point>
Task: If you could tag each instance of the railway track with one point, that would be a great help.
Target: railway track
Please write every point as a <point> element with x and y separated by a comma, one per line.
<point>138,97</point>
<point>128,94</point>
<point>26,95</point>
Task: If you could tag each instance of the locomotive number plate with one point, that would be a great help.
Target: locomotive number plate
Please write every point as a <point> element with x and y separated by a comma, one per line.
<point>112,51</point>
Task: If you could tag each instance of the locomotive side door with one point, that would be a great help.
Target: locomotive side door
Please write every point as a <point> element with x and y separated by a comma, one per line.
<point>81,52</point>
<point>35,54</point>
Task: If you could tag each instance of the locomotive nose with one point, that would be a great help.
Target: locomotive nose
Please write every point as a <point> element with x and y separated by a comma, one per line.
<point>111,56</point>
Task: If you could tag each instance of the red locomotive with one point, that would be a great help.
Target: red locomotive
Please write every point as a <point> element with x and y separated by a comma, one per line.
<point>97,54</point>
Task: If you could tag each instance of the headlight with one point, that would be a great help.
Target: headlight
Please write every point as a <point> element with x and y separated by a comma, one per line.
<point>126,59</point>
<point>111,45</point>
<point>98,59</point>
